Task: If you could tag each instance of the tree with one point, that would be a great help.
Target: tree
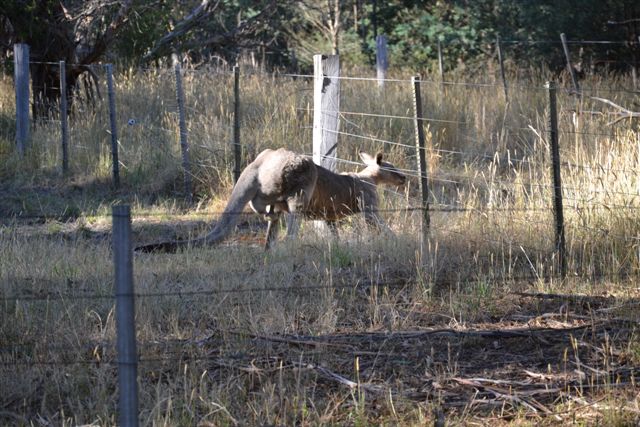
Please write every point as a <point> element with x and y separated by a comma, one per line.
<point>78,32</point>
<point>330,26</point>
<point>83,32</point>
<point>222,27</point>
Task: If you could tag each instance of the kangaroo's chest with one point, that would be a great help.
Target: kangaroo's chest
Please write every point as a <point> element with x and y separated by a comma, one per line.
<point>336,199</point>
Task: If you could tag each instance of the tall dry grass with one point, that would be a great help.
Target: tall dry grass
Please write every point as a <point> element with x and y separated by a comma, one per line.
<point>202,361</point>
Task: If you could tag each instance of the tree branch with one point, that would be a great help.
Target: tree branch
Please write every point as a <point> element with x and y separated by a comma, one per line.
<point>625,22</point>
<point>181,28</point>
<point>104,40</point>
<point>622,112</point>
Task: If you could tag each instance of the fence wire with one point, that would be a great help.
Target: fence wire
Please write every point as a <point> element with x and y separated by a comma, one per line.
<point>451,177</point>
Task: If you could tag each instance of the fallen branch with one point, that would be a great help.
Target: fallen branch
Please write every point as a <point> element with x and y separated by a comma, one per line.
<point>567,297</point>
<point>622,112</point>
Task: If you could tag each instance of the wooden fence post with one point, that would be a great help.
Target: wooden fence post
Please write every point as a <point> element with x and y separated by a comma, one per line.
<point>237,152</point>
<point>572,72</point>
<point>382,61</point>
<point>440,67</point>
<point>634,69</point>
<point>557,182</point>
<point>21,75</point>
<point>502,73</point>
<point>326,108</point>
<point>184,144</point>
<point>125,317</point>
<point>421,156</point>
<point>63,117</point>
<point>114,126</point>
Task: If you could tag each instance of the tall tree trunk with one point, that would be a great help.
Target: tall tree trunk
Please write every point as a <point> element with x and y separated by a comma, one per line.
<point>334,25</point>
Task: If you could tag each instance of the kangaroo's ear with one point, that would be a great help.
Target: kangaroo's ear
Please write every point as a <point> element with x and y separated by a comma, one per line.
<point>379,157</point>
<point>367,159</point>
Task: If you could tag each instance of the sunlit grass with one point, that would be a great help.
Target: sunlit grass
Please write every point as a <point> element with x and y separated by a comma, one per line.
<point>491,223</point>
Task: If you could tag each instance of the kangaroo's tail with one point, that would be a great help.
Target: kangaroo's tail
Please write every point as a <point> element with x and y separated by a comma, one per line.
<point>244,190</point>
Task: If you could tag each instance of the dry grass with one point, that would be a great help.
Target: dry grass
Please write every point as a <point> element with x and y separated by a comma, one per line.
<point>363,330</point>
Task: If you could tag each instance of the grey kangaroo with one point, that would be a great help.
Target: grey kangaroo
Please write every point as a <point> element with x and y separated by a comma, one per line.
<point>281,181</point>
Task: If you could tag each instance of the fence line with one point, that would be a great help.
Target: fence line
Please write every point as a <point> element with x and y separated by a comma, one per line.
<point>354,78</point>
<point>503,241</point>
<point>434,82</point>
<point>437,207</point>
<point>466,178</point>
<point>381,284</point>
<point>387,116</point>
<point>621,42</point>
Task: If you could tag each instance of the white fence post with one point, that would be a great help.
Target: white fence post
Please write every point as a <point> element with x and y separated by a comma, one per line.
<point>382,61</point>
<point>326,107</point>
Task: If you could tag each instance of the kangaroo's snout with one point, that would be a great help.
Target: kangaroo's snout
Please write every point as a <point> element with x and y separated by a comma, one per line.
<point>396,178</point>
<point>390,175</point>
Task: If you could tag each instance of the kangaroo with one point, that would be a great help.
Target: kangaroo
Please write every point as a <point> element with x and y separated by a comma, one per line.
<point>337,196</point>
<point>280,181</point>
<point>276,177</point>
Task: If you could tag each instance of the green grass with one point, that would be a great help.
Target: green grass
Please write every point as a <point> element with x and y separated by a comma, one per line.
<point>265,352</point>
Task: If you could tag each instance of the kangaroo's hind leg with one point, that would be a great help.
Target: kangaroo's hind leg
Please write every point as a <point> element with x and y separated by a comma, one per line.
<point>293,224</point>
<point>333,228</point>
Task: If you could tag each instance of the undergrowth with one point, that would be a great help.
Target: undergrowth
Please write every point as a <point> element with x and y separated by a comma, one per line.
<point>322,330</point>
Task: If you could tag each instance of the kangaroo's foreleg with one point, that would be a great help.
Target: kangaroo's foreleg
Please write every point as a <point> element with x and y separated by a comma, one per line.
<point>272,230</point>
<point>296,206</point>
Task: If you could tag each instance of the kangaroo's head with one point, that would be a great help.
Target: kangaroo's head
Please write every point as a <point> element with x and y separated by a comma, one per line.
<point>381,172</point>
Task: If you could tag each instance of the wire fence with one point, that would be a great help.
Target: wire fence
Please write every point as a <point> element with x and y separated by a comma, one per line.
<point>450,178</point>
<point>502,170</point>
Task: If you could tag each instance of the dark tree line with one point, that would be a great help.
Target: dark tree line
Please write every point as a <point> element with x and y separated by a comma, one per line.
<point>286,33</point>
<point>127,31</point>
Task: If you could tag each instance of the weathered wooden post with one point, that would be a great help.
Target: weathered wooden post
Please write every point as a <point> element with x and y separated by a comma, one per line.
<point>237,152</point>
<point>634,69</point>
<point>440,67</point>
<point>184,143</point>
<point>21,76</point>
<point>502,73</point>
<point>572,72</point>
<point>326,108</point>
<point>125,317</point>
<point>114,126</point>
<point>382,61</point>
<point>421,156</point>
<point>557,181</point>
<point>63,117</point>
